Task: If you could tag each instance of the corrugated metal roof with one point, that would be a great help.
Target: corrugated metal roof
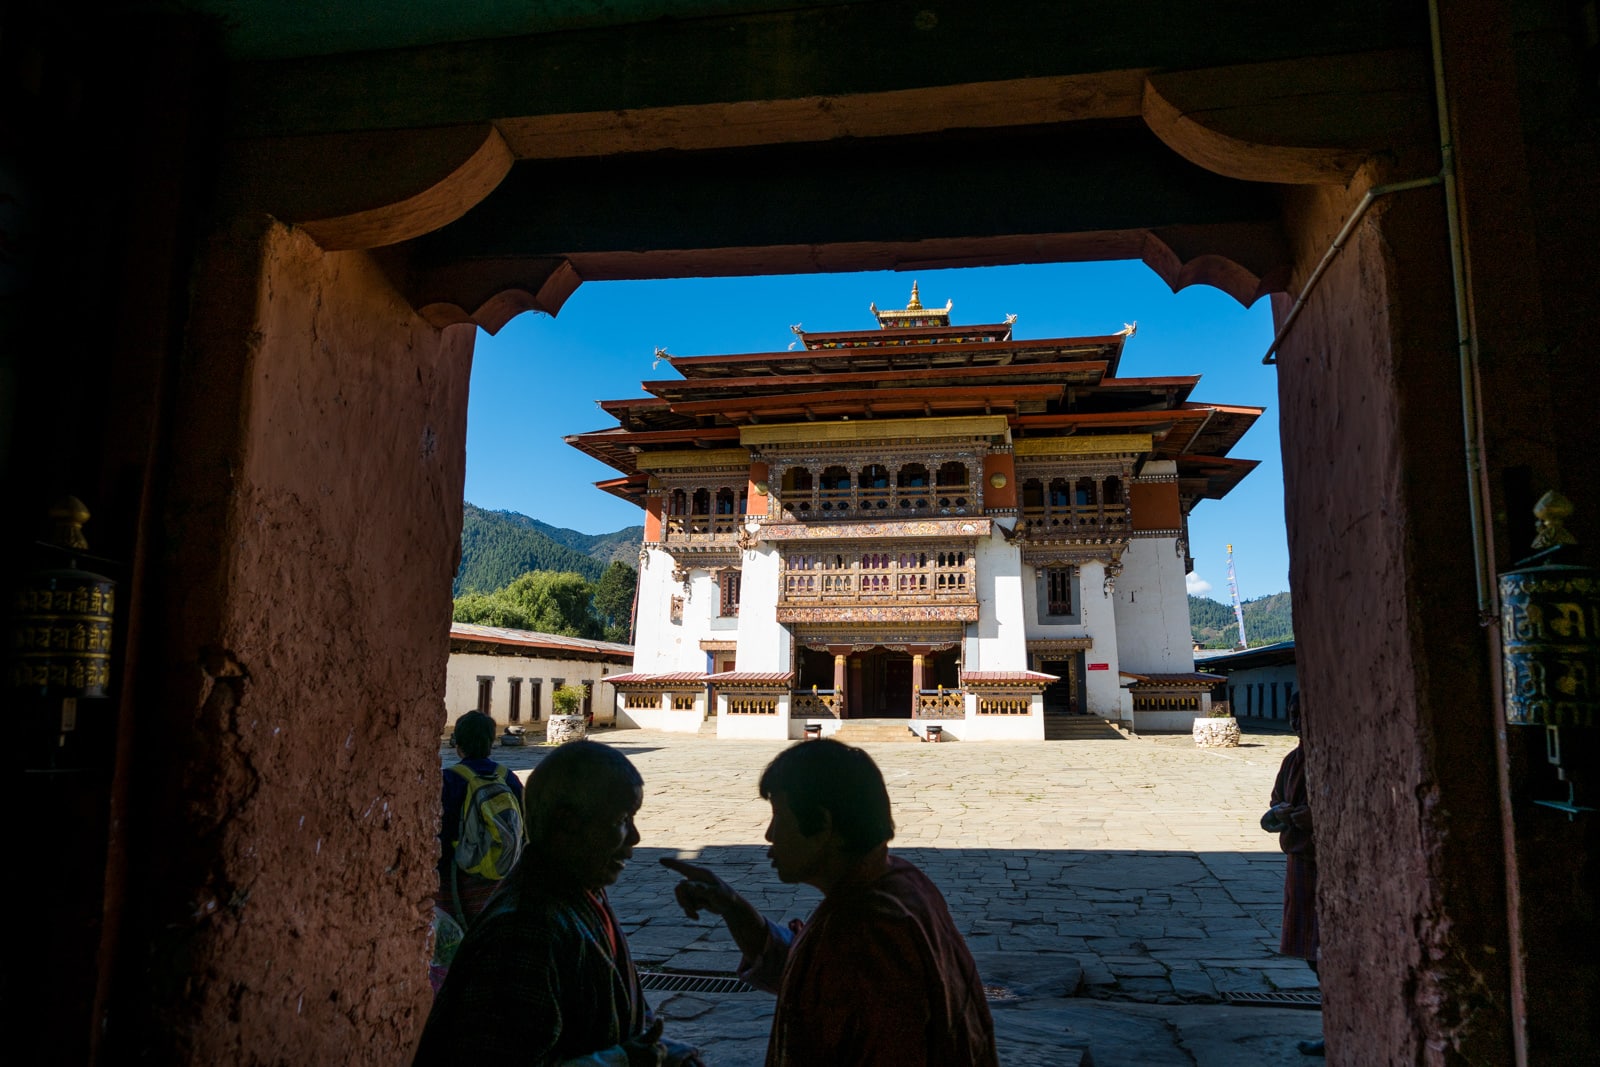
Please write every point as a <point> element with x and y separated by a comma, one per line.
<point>502,635</point>
<point>1006,677</point>
<point>1172,679</point>
<point>751,678</point>
<point>1277,654</point>
<point>676,678</point>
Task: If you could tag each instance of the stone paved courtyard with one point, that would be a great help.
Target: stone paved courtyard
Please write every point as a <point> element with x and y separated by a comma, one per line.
<point>1111,890</point>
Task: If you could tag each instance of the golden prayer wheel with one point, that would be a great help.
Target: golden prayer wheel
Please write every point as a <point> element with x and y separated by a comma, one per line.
<point>62,619</point>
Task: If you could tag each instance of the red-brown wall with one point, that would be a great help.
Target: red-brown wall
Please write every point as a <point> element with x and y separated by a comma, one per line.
<point>1155,506</point>
<point>314,519</point>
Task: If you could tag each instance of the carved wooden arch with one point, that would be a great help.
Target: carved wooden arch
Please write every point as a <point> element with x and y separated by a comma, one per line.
<point>373,188</point>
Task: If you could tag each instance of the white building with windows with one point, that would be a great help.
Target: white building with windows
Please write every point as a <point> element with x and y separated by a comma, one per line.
<point>509,674</point>
<point>934,523</point>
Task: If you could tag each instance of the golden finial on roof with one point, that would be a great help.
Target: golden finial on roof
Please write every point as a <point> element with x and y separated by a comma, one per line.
<point>916,301</point>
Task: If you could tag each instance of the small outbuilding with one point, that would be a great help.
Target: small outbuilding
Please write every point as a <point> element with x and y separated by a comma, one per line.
<point>510,675</point>
<point>1259,680</point>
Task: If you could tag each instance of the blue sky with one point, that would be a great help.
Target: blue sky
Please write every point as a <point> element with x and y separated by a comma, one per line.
<point>539,378</point>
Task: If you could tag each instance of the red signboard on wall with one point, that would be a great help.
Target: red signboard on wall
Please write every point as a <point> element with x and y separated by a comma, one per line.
<point>1099,666</point>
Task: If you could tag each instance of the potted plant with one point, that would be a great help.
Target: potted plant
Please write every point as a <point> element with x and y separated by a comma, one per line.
<point>1219,729</point>
<point>567,722</point>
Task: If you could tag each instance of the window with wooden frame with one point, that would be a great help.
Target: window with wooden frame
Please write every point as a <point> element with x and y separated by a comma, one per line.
<point>535,696</point>
<point>728,585</point>
<point>514,708</point>
<point>485,693</point>
<point>1058,582</point>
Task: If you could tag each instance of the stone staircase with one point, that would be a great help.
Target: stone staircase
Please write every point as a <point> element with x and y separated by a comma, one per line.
<point>858,731</point>
<point>708,728</point>
<point>1081,728</point>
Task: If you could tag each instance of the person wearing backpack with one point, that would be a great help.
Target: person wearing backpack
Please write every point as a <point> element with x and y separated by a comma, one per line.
<point>481,835</point>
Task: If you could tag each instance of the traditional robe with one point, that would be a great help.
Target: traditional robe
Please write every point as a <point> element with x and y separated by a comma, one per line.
<point>879,975</point>
<point>543,977</point>
<point>1300,936</point>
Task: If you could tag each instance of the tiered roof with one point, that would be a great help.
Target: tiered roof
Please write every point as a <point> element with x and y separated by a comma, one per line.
<point>915,364</point>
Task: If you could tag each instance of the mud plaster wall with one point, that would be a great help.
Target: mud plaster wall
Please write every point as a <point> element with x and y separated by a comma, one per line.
<point>1399,730</point>
<point>313,527</point>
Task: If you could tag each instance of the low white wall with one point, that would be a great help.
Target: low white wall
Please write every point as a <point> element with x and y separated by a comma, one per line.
<point>797,727</point>
<point>1163,722</point>
<point>678,720</point>
<point>1029,727</point>
<point>753,727</point>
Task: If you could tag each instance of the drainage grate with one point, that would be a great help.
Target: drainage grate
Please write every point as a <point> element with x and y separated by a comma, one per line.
<point>662,982</point>
<point>1275,1000</point>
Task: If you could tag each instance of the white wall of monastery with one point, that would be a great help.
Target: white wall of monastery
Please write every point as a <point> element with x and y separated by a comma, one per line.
<point>662,646</point>
<point>1152,603</point>
<point>1097,620</point>
<point>996,641</point>
<point>763,642</point>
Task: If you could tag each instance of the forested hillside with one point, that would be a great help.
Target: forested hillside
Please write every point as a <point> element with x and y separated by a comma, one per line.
<point>499,546</point>
<point>622,545</point>
<point>1267,620</point>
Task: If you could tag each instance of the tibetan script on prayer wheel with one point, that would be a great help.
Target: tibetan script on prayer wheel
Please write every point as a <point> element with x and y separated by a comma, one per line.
<point>1550,637</point>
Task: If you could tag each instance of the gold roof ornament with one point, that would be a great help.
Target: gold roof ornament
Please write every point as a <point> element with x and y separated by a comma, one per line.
<point>1552,511</point>
<point>914,314</point>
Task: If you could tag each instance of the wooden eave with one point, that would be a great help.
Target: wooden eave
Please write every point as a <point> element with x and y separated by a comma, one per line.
<point>881,334</point>
<point>1198,429</point>
<point>615,447</point>
<point>869,402</point>
<point>847,360</point>
<point>631,487</point>
<point>1210,477</point>
<point>1169,392</point>
<point>1161,425</point>
<point>1084,374</point>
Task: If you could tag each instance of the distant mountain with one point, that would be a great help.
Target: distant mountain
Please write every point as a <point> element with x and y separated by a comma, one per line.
<point>499,546</point>
<point>1267,620</point>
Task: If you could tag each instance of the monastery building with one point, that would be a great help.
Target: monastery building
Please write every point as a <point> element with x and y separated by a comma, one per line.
<point>938,524</point>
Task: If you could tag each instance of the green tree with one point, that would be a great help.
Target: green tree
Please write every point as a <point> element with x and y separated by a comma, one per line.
<point>613,600</point>
<point>552,602</point>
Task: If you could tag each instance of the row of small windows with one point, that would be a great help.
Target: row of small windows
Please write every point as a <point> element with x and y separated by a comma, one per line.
<point>876,560</point>
<point>725,501</point>
<point>877,488</point>
<point>485,702</point>
<point>1067,493</point>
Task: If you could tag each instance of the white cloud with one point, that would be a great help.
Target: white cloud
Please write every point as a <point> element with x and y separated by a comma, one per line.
<point>1197,585</point>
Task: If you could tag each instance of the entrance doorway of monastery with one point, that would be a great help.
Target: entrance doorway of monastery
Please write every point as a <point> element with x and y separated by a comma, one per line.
<point>880,685</point>
<point>1062,697</point>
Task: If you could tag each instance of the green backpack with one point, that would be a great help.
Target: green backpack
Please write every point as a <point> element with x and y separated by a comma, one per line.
<point>491,825</point>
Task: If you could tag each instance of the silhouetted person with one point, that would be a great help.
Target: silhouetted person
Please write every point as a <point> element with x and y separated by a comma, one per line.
<point>1290,818</point>
<point>544,976</point>
<point>879,975</point>
<point>463,893</point>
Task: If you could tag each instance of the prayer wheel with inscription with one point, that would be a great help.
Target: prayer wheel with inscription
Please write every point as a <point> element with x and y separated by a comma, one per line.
<point>62,619</point>
<point>1550,646</point>
<point>1550,631</point>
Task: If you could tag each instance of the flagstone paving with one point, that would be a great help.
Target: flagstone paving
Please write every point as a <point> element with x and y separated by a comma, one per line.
<point>1111,890</point>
